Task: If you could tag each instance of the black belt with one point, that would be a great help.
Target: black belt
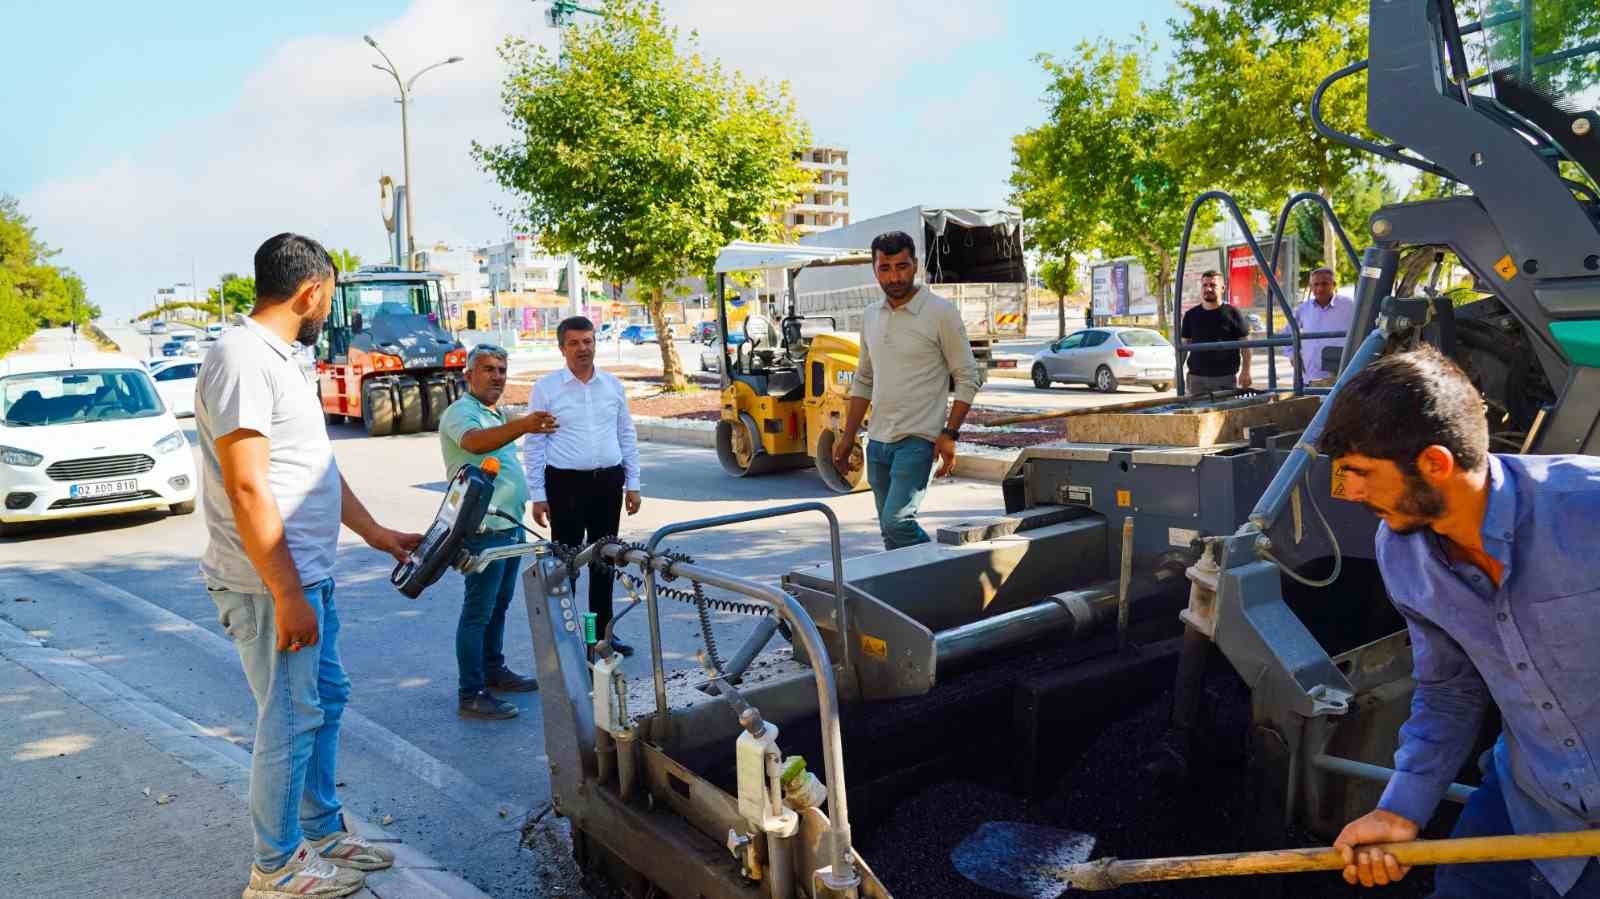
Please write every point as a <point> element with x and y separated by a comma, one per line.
<point>582,472</point>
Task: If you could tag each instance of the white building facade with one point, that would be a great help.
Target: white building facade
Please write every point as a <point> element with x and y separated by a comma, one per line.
<point>825,202</point>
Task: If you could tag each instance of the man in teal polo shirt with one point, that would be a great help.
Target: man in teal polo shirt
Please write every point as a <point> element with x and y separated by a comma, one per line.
<point>471,430</point>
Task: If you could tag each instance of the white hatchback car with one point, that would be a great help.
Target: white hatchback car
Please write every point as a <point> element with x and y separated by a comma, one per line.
<point>175,380</point>
<point>87,434</point>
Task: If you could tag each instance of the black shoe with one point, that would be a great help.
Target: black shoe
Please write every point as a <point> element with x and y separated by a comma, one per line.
<point>485,705</point>
<point>621,648</point>
<point>511,682</point>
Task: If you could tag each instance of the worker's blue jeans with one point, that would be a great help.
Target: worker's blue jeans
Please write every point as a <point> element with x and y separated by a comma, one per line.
<point>1485,816</point>
<point>481,630</point>
<point>300,699</point>
<point>898,473</point>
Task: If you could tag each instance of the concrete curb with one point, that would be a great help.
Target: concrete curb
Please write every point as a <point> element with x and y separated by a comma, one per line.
<point>974,463</point>
<point>415,875</point>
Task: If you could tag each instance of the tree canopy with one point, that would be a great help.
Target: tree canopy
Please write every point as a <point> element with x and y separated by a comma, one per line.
<point>33,292</point>
<point>641,156</point>
<point>239,292</point>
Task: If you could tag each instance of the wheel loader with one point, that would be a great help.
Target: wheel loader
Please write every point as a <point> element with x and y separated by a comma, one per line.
<point>786,387</point>
<point>1123,568</point>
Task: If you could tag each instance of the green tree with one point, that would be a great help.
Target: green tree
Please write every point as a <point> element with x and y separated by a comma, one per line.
<point>1059,278</point>
<point>239,293</point>
<point>1105,171</point>
<point>1247,70</point>
<point>1356,199</point>
<point>33,292</point>
<point>642,158</point>
<point>344,260</point>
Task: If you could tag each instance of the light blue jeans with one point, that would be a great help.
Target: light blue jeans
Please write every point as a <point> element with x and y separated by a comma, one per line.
<point>898,473</point>
<point>300,698</point>
<point>481,630</point>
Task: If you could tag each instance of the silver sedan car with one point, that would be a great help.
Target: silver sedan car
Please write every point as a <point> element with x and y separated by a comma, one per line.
<point>1107,358</point>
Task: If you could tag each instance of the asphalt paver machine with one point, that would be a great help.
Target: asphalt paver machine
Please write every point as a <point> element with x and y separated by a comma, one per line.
<point>1119,566</point>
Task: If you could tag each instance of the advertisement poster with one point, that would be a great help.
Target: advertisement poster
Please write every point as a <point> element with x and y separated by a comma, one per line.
<point>1247,284</point>
<point>1119,288</point>
<point>1100,289</point>
<point>1198,263</point>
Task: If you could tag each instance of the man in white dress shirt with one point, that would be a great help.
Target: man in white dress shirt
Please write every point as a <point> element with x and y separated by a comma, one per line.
<point>580,474</point>
<point>1324,311</point>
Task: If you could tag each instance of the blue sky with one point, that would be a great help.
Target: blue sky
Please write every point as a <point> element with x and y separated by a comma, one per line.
<point>146,138</point>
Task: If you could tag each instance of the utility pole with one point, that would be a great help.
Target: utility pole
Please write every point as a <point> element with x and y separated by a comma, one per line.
<point>559,16</point>
<point>405,86</point>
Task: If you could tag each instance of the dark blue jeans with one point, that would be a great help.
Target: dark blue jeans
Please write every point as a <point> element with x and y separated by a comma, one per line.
<point>898,473</point>
<point>1485,816</point>
<point>481,632</point>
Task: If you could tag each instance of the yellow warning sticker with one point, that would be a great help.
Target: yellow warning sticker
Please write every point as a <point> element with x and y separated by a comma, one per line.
<point>1337,489</point>
<point>1124,498</point>
<point>1506,267</point>
<point>874,647</point>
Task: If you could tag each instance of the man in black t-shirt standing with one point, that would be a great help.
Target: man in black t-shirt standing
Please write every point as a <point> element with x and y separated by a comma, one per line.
<point>1214,321</point>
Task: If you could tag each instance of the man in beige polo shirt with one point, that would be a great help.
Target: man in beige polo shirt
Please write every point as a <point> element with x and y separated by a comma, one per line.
<point>913,346</point>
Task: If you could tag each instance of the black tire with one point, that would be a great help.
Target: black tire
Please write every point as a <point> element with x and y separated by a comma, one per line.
<point>435,399</point>
<point>738,458</point>
<point>1104,380</point>
<point>1041,378</point>
<point>1160,388</point>
<point>408,418</point>
<point>836,480</point>
<point>377,409</point>
<point>335,418</point>
<point>186,508</point>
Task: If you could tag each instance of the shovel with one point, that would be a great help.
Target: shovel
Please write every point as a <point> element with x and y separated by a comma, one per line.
<point>1034,862</point>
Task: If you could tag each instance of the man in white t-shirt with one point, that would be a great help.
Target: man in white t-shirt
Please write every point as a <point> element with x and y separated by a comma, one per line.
<point>274,500</point>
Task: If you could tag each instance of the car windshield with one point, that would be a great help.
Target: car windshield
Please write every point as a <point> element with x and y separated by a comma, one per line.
<point>375,298</point>
<point>64,397</point>
<point>1143,338</point>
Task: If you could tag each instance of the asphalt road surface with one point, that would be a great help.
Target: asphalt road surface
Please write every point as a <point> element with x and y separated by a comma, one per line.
<point>124,594</point>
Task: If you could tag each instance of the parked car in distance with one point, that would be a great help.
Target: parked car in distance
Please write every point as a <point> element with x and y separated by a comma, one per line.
<point>158,327</point>
<point>706,333</point>
<point>175,380</point>
<point>87,434</point>
<point>185,343</point>
<point>606,331</point>
<point>1107,358</point>
<point>215,329</point>
<point>637,334</point>
<point>1258,325</point>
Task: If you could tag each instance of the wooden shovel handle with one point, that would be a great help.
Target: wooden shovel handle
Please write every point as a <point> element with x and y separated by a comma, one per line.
<point>1108,873</point>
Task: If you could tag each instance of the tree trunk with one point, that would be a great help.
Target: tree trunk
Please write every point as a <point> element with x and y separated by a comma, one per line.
<point>1331,248</point>
<point>1061,315</point>
<point>671,369</point>
<point>1163,287</point>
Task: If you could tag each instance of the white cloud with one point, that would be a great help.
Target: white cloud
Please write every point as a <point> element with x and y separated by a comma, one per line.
<point>315,125</point>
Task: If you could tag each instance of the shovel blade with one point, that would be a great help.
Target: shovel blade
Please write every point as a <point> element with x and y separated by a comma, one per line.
<point>1022,860</point>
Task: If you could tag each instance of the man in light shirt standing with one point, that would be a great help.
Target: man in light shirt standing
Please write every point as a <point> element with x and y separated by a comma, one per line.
<point>1324,311</point>
<point>580,475</point>
<point>913,345</point>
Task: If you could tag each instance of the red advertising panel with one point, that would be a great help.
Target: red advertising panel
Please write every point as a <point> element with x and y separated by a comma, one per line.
<point>1247,285</point>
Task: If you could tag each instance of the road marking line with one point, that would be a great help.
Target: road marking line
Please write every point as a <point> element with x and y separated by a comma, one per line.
<point>384,743</point>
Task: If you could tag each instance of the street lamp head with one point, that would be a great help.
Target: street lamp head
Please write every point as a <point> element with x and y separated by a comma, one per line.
<point>370,42</point>
<point>453,59</point>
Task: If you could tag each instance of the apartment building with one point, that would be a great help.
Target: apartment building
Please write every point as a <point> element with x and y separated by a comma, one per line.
<point>825,202</point>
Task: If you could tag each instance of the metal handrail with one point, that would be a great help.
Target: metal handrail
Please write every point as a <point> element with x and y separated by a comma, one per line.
<point>658,671</point>
<point>1275,290</point>
<point>1194,346</point>
<point>842,866</point>
<point>1387,151</point>
<point>1277,250</point>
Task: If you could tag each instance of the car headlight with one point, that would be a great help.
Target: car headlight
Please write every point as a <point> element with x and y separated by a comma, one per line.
<point>171,443</point>
<point>21,458</point>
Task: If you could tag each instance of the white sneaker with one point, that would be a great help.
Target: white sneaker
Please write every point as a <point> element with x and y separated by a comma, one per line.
<point>305,874</point>
<point>347,850</point>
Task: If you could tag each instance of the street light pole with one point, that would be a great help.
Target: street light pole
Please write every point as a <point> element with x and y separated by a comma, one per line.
<point>405,86</point>
<point>559,16</point>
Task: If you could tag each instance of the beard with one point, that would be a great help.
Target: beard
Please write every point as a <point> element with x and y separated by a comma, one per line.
<point>899,291</point>
<point>310,330</point>
<point>1420,506</point>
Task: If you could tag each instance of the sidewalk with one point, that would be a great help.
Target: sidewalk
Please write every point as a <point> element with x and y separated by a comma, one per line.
<point>109,793</point>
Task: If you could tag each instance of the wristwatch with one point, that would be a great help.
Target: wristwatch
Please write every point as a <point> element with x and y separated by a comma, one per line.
<point>952,433</point>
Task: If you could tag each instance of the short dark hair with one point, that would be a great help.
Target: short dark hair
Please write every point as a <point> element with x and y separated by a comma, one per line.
<point>286,262</point>
<point>572,323</point>
<point>890,243</point>
<point>1404,403</point>
<point>1210,273</point>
